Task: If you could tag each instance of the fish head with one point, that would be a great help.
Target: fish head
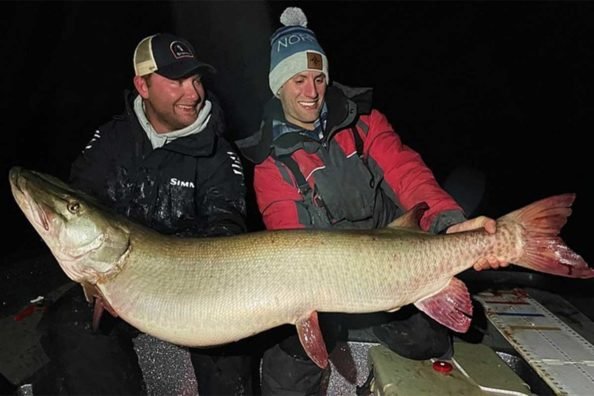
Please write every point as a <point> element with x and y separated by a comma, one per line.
<point>88,241</point>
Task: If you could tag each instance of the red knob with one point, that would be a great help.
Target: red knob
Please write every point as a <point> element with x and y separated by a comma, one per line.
<point>442,367</point>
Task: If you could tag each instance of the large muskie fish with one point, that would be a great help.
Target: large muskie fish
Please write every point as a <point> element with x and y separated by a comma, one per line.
<point>202,292</point>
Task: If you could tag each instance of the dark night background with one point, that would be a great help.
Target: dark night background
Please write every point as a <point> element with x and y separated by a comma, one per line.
<point>506,88</point>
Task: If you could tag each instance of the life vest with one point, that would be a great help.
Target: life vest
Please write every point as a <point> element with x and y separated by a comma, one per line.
<point>345,193</point>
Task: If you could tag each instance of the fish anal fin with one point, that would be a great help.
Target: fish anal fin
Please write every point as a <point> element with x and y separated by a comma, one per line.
<point>451,307</point>
<point>310,335</point>
<point>410,218</point>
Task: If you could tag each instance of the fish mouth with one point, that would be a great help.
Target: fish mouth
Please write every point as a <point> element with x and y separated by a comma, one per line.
<point>13,178</point>
<point>32,209</point>
<point>18,191</point>
<point>42,215</point>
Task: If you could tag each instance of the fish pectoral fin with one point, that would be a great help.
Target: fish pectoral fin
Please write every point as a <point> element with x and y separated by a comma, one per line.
<point>90,291</point>
<point>93,294</point>
<point>97,313</point>
<point>100,306</point>
<point>451,307</point>
<point>310,335</point>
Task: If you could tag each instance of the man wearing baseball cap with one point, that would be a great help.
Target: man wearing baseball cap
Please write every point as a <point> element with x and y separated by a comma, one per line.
<point>163,162</point>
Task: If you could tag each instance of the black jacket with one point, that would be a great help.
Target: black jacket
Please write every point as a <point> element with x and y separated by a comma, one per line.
<point>192,186</point>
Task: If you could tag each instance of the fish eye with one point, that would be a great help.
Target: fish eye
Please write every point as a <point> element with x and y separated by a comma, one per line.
<point>73,207</point>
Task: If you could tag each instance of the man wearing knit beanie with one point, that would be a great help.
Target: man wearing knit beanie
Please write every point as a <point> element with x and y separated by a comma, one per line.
<point>325,158</point>
<point>294,48</point>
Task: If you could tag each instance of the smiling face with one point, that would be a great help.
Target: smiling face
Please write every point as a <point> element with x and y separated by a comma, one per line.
<point>302,98</point>
<point>171,105</point>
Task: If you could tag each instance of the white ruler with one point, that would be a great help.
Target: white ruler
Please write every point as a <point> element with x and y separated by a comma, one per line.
<point>560,356</point>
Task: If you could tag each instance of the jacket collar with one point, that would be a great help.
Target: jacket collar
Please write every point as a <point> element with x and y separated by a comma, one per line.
<point>344,104</point>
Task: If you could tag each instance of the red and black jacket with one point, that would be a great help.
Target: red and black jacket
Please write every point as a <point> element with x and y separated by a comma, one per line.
<point>360,175</point>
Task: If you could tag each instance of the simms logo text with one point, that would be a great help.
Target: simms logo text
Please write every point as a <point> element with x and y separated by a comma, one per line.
<point>175,182</point>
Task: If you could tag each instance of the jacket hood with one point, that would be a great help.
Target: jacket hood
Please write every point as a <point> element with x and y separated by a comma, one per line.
<point>344,105</point>
<point>198,145</point>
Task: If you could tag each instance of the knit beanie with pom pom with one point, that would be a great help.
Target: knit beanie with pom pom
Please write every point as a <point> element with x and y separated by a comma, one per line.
<point>294,49</point>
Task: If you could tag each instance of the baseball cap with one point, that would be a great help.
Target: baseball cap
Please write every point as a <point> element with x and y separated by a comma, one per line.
<point>168,55</point>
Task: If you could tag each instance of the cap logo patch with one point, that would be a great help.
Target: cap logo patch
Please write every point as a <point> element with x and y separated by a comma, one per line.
<point>314,61</point>
<point>180,50</point>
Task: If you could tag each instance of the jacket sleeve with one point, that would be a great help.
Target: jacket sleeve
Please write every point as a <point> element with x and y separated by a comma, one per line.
<point>221,197</point>
<point>89,170</point>
<point>408,176</point>
<point>277,199</point>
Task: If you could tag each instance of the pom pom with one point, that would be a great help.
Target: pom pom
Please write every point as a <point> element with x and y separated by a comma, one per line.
<point>293,16</point>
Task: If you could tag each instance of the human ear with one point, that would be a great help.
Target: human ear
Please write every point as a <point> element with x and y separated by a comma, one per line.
<point>141,86</point>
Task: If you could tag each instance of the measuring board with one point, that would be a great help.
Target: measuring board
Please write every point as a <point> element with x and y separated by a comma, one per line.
<point>560,356</point>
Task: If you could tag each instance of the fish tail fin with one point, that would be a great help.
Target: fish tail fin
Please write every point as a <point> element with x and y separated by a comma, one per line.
<point>543,249</point>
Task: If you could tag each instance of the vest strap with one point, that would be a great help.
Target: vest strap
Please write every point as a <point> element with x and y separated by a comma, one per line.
<point>302,184</point>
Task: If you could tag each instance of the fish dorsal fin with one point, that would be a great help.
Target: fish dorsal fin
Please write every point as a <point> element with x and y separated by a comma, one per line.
<point>310,335</point>
<point>411,218</point>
